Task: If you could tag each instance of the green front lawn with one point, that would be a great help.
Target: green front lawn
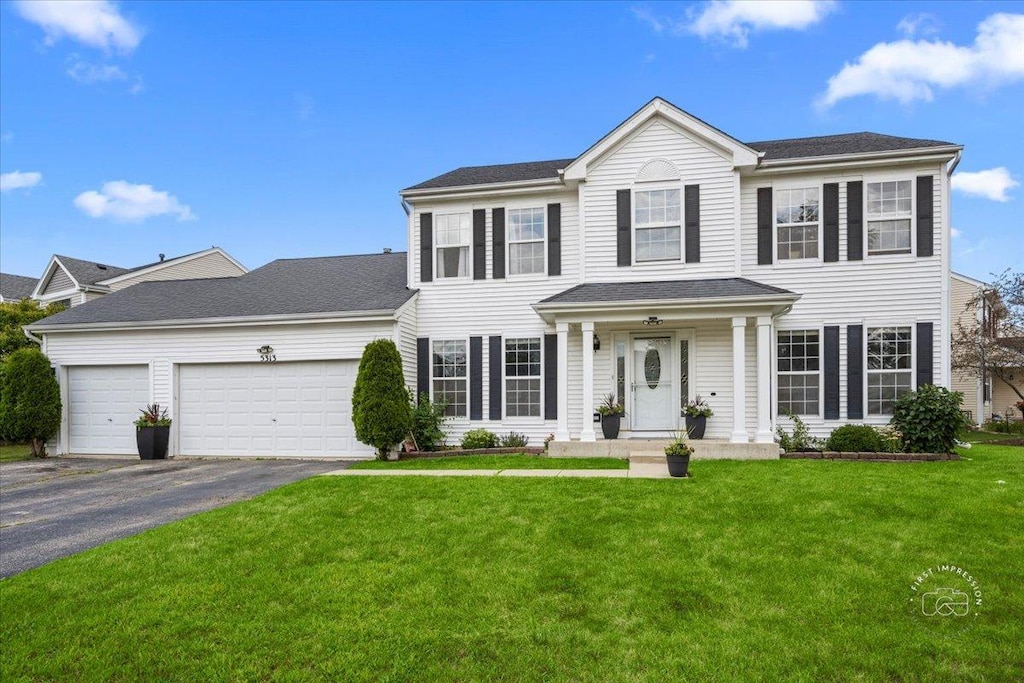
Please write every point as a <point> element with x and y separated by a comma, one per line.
<point>15,451</point>
<point>496,462</point>
<point>750,571</point>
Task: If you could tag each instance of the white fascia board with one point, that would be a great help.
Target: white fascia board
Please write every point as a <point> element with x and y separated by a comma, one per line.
<point>288,319</point>
<point>622,310</point>
<point>400,311</point>
<point>969,280</point>
<point>461,191</point>
<point>48,273</point>
<point>923,154</point>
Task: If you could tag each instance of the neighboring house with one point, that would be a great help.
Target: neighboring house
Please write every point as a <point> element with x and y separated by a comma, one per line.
<point>669,260</point>
<point>73,281</point>
<point>15,287</point>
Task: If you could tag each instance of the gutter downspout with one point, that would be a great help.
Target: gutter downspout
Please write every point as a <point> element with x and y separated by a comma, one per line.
<point>32,337</point>
<point>406,206</point>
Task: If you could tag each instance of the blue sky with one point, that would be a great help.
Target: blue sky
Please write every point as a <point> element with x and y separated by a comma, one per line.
<point>287,130</point>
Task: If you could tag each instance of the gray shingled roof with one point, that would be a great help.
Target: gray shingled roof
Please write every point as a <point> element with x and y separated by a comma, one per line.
<point>612,292</point>
<point>89,272</point>
<point>501,173</point>
<point>16,287</point>
<point>335,284</point>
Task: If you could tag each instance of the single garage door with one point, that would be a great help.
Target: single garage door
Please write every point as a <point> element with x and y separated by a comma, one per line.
<point>103,403</point>
<point>269,409</point>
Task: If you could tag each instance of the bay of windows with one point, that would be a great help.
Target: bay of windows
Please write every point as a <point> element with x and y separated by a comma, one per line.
<point>656,223</point>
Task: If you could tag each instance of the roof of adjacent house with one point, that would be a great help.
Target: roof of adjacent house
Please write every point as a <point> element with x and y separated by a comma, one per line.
<point>613,292</point>
<point>334,284</point>
<point>89,272</point>
<point>16,287</point>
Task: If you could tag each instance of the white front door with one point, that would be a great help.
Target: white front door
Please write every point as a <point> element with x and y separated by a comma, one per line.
<point>655,407</point>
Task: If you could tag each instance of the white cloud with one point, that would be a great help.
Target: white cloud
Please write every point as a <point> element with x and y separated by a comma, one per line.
<point>86,73</point>
<point>734,20</point>
<point>127,202</point>
<point>97,23</point>
<point>7,137</point>
<point>992,184</point>
<point>909,70</point>
<point>16,180</point>
<point>645,15</point>
<point>923,24</point>
<point>954,233</point>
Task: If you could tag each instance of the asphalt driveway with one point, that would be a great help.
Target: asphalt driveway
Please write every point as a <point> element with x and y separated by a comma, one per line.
<point>57,507</point>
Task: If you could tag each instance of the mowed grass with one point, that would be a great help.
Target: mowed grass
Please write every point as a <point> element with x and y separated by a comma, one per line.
<point>496,462</point>
<point>15,451</point>
<point>757,571</point>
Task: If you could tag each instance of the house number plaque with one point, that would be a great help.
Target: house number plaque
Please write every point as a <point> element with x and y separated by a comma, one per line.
<point>267,354</point>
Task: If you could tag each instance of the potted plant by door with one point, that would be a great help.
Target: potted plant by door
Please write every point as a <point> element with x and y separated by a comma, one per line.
<point>611,417</point>
<point>152,432</point>
<point>697,413</point>
<point>677,455</point>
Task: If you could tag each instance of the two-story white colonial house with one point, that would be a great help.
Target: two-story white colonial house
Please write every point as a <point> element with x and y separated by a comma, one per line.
<point>669,260</point>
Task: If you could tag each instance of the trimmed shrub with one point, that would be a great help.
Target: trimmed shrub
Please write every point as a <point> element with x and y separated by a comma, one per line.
<point>479,438</point>
<point>929,419</point>
<point>29,399</point>
<point>854,439</point>
<point>427,420</point>
<point>514,440</point>
<point>380,401</point>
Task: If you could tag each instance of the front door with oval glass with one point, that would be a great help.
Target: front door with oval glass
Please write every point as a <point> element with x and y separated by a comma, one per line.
<point>654,405</point>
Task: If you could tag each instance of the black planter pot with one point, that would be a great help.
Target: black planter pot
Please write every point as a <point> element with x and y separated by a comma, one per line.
<point>610,425</point>
<point>152,442</point>
<point>695,426</point>
<point>678,465</point>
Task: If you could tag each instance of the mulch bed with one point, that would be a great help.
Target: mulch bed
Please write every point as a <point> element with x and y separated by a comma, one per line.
<point>409,455</point>
<point>878,457</point>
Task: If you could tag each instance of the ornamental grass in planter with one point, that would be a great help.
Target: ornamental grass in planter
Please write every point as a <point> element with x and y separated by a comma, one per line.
<point>697,413</point>
<point>152,432</point>
<point>677,456</point>
<point>611,413</point>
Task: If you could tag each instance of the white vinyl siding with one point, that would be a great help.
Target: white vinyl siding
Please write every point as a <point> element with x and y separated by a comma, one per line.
<point>799,372</point>
<point>888,216</point>
<point>656,225</point>
<point>452,234</point>
<point>60,281</point>
<point>526,245</point>
<point>523,377</point>
<point>449,373</point>
<point>797,223</point>
<point>889,367</point>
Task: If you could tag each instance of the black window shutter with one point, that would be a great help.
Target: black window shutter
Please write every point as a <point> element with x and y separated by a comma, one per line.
<point>554,239</point>
<point>623,228</point>
<point>494,363</point>
<point>855,221</point>
<point>426,247</point>
<point>924,355</point>
<point>925,220</point>
<point>764,226</point>
<point>479,244</point>
<point>830,352</point>
<point>422,367</point>
<point>476,378</point>
<point>691,194</point>
<point>498,243</point>
<point>855,372</point>
<point>550,376</point>
<point>831,216</point>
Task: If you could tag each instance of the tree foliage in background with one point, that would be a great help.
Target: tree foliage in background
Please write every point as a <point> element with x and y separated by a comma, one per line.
<point>14,315</point>
<point>380,400</point>
<point>29,399</point>
<point>993,342</point>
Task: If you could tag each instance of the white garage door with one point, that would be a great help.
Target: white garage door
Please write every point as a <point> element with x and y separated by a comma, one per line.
<point>103,403</point>
<point>268,409</point>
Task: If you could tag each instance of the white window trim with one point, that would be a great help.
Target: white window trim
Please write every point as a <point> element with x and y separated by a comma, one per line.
<point>867,327</point>
<point>795,327</point>
<point>458,419</point>
<point>508,242</point>
<point>435,247</point>
<point>521,419</point>
<point>655,186</point>
<point>799,262</point>
<point>888,178</point>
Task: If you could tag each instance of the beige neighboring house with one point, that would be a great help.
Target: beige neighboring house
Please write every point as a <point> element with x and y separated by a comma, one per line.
<point>73,281</point>
<point>984,395</point>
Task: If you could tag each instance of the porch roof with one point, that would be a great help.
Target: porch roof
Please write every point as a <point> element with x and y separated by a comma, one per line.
<point>688,296</point>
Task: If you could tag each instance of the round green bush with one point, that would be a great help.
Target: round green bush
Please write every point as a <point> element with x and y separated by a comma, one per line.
<point>479,438</point>
<point>929,419</point>
<point>29,399</point>
<point>855,439</point>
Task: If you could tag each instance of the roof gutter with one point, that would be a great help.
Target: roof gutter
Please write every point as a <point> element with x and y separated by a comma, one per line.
<point>32,337</point>
<point>432,192</point>
<point>863,156</point>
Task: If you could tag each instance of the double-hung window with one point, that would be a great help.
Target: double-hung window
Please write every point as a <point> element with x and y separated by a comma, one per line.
<point>656,223</point>
<point>453,236</point>
<point>525,241</point>
<point>796,223</point>
<point>522,377</point>
<point>889,367</point>
<point>889,213</point>
<point>799,363</point>
<point>449,375</point>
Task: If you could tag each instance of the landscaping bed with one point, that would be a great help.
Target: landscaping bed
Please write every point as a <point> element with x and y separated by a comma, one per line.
<point>515,461</point>
<point>884,457</point>
<point>408,455</point>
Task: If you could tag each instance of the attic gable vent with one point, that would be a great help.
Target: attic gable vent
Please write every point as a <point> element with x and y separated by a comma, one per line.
<point>657,169</point>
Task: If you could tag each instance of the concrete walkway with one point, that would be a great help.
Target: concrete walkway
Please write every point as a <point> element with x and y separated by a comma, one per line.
<point>635,471</point>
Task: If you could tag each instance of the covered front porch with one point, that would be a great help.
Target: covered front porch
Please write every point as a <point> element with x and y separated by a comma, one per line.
<point>656,345</point>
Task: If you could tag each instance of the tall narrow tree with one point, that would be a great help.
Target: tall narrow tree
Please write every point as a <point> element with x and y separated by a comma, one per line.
<point>380,400</point>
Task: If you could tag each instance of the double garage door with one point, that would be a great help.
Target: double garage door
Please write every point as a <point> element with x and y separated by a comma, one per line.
<point>238,409</point>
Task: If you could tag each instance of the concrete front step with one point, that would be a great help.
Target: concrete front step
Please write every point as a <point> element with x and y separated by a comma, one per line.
<point>704,449</point>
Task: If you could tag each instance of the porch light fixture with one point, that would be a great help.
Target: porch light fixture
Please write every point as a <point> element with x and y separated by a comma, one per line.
<point>653,320</point>
<point>597,343</point>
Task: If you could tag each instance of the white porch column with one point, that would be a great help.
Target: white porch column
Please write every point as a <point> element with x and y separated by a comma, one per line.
<point>764,380</point>
<point>562,431</point>
<point>739,380</point>
<point>586,407</point>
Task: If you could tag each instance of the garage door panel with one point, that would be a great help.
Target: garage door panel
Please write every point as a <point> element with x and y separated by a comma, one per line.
<point>103,403</point>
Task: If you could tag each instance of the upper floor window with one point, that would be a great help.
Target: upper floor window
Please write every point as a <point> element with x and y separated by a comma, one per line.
<point>656,221</point>
<point>889,367</point>
<point>889,212</point>
<point>799,365</point>
<point>454,231</point>
<point>448,371</point>
<point>522,377</point>
<point>525,241</point>
<point>796,222</point>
